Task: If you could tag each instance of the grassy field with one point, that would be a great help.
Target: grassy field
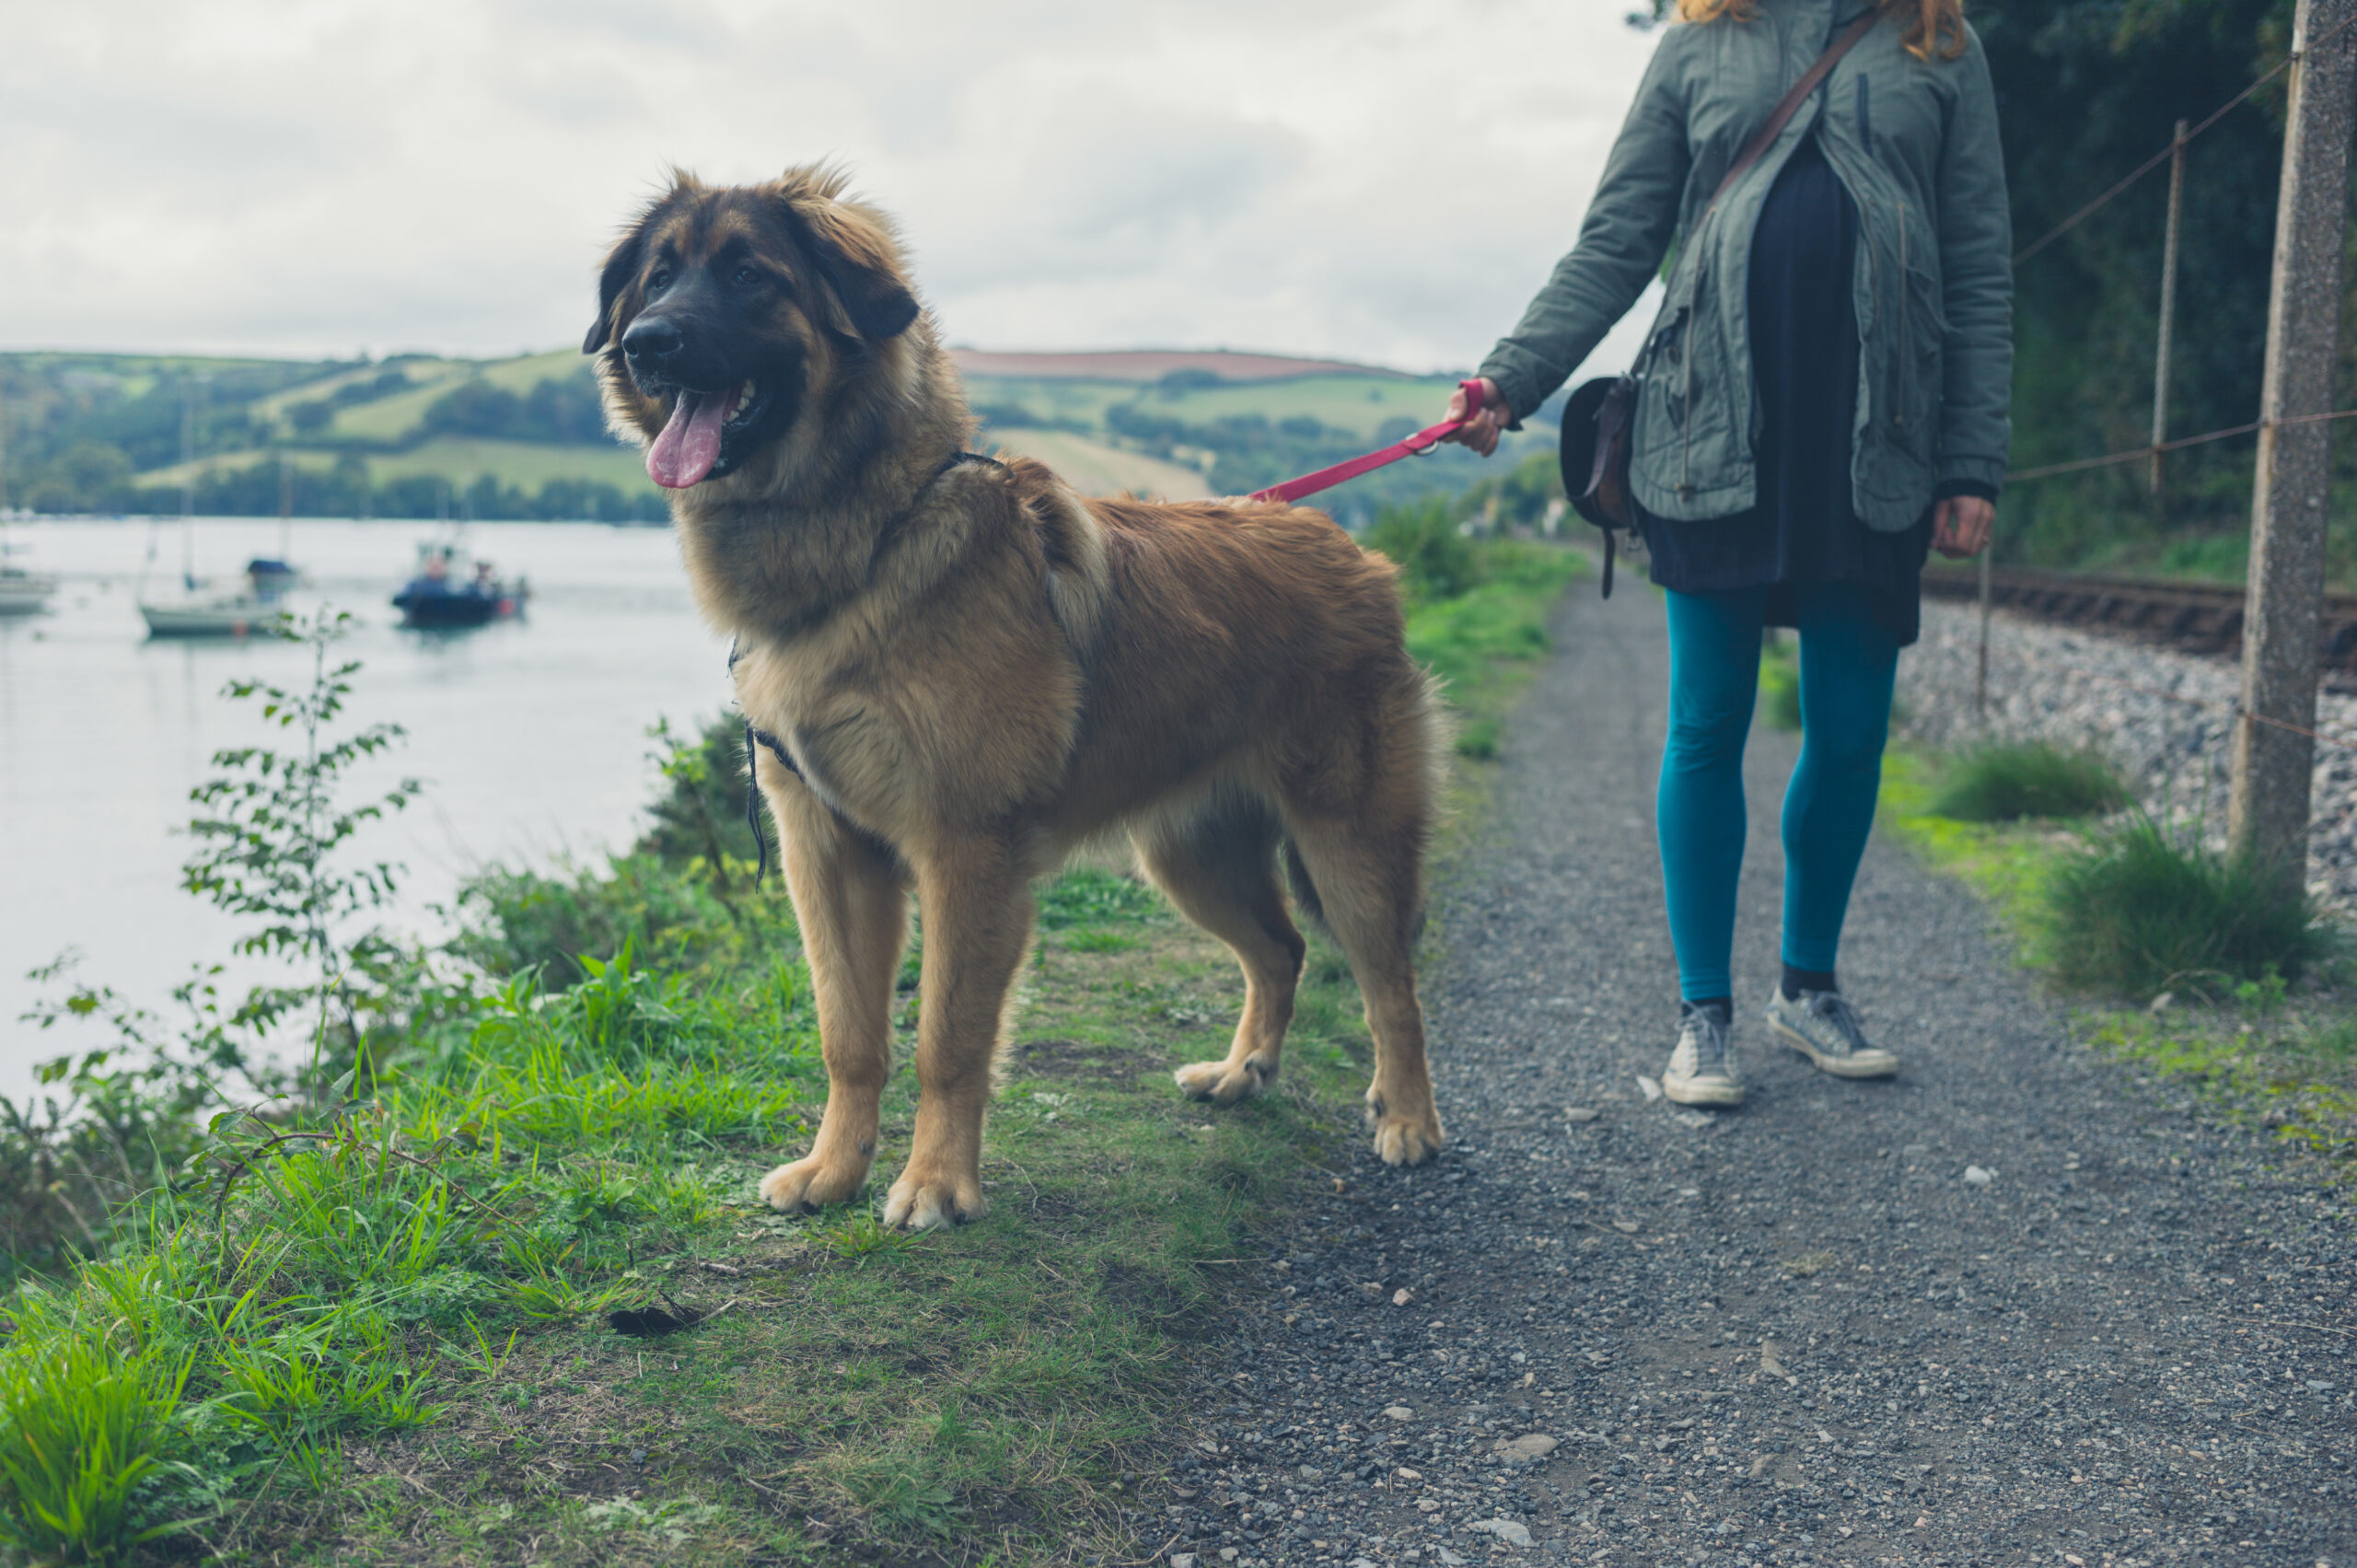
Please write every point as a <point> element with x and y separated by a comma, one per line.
<point>461,459</point>
<point>1096,468</point>
<point>2279,1057</point>
<point>505,1292</point>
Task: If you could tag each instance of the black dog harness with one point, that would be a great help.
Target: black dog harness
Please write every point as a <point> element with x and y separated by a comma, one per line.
<point>756,737</point>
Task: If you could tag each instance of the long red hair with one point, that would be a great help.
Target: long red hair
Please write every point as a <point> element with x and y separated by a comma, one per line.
<point>1934,26</point>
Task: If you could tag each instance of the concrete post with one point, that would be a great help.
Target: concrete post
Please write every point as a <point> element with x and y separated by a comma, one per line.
<point>2267,813</point>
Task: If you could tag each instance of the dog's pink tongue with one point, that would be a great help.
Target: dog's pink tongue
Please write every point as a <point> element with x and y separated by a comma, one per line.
<point>690,444</point>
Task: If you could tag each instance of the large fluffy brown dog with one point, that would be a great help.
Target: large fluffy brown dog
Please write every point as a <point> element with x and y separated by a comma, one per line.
<point>967,671</point>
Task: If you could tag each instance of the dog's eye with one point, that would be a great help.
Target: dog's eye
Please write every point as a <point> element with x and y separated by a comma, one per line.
<point>745,277</point>
<point>660,279</point>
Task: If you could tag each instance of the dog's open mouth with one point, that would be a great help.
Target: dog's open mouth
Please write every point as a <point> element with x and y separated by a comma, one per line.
<point>693,444</point>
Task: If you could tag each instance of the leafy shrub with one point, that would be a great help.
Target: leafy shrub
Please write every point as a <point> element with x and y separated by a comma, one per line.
<point>2144,908</point>
<point>1435,561</point>
<point>2008,780</point>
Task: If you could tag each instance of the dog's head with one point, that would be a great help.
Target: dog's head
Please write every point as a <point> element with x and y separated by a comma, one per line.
<point>726,311</point>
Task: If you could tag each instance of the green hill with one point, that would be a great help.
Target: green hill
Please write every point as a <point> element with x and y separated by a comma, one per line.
<point>421,436</point>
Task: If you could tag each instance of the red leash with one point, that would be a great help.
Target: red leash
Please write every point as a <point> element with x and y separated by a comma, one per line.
<point>1415,446</point>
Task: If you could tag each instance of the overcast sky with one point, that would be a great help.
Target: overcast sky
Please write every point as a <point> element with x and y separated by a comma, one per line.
<point>1381,181</point>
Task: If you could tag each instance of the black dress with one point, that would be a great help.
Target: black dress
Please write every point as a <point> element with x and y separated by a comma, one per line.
<point>1804,357</point>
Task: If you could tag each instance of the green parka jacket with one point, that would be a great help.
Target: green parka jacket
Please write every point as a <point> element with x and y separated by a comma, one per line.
<point>1915,144</point>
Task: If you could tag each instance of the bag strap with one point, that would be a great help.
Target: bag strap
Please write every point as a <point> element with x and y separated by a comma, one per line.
<point>1782,115</point>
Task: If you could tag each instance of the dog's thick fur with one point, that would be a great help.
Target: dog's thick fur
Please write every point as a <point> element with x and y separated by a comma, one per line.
<point>975,669</point>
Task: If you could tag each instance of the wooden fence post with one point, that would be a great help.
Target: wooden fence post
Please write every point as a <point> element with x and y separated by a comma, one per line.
<point>2274,753</point>
<point>2168,316</point>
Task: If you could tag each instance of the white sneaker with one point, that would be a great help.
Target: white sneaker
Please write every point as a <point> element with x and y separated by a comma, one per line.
<point>1701,1071</point>
<point>1823,1026</point>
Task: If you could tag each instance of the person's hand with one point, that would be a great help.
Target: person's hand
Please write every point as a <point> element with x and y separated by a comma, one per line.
<point>1481,430</point>
<point>1960,525</point>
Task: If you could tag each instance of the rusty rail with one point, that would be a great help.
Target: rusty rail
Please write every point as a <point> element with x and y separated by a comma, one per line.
<point>2199,618</point>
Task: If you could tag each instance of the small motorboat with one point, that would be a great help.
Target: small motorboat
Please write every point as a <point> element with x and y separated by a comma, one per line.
<point>453,590</point>
<point>23,592</point>
<point>271,577</point>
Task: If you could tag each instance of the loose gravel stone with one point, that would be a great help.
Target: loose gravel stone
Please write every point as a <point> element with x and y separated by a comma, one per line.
<point>1793,1335</point>
<point>2164,716</point>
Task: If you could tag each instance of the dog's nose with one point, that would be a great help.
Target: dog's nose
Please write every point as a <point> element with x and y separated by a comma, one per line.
<point>651,340</point>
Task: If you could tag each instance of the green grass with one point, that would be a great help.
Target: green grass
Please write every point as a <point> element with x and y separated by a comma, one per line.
<point>2005,781</point>
<point>509,1292</point>
<point>2145,907</point>
<point>1487,643</point>
<point>1779,684</point>
<point>2254,1048</point>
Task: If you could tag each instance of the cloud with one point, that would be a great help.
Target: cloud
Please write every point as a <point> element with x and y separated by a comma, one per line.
<point>1385,181</point>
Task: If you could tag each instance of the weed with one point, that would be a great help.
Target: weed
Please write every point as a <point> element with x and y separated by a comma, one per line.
<point>1435,560</point>
<point>84,1436</point>
<point>1092,897</point>
<point>2144,908</point>
<point>1780,686</point>
<point>2005,781</point>
<point>859,1236</point>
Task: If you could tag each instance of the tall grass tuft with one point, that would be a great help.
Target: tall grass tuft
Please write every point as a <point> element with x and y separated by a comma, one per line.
<point>2144,908</point>
<point>2005,781</point>
<point>83,1439</point>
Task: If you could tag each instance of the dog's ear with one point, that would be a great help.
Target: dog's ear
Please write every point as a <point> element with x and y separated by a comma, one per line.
<point>622,265</point>
<point>629,253</point>
<point>853,249</point>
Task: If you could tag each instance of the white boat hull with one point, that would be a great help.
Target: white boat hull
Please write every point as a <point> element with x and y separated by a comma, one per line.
<point>224,618</point>
<point>25,593</point>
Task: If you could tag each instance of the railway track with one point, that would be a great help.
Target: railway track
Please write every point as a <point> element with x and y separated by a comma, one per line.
<point>2198,618</point>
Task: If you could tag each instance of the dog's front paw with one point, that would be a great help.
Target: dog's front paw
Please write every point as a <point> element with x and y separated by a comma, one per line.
<point>923,1199</point>
<point>811,1184</point>
<point>1224,1083</point>
<point>1403,1135</point>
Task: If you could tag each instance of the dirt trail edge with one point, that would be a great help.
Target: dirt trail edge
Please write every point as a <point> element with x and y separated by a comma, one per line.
<point>2015,1308</point>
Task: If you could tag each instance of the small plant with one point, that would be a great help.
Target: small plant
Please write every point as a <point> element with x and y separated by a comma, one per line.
<point>84,1434</point>
<point>268,845</point>
<point>1780,686</point>
<point>1088,896</point>
<point>2005,781</point>
<point>1435,560</point>
<point>859,1236</point>
<point>2146,907</point>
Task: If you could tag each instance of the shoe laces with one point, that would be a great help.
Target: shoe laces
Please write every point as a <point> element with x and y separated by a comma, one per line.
<point>1708,1033</point>
<point>1835,1009</point>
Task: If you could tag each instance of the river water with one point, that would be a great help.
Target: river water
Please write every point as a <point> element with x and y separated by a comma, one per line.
<point>530,735</point>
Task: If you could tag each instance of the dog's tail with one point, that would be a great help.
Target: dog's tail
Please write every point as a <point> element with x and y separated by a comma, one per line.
<point>1305,901</point>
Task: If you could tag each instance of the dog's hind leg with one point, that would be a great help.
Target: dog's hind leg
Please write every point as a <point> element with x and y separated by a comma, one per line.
<point>1221,872</point>
<point>1368,875</point>
<point>854,914</point>
<point>975,898</point>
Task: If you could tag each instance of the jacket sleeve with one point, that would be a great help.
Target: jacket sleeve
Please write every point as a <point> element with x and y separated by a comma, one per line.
<point>1976,271</point>
<point>1620,246</point>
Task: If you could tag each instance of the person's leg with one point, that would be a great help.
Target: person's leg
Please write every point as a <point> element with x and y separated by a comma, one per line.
<point>1848,662</point>
<point>1698,811</point>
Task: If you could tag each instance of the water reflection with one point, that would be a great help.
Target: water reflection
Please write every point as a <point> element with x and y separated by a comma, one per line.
<point>530,734</point>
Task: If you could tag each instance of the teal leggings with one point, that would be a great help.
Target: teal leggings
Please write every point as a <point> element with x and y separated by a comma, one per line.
<point>1847,664</point>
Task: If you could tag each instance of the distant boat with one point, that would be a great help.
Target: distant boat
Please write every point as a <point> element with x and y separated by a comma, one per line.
<point>22,592</point>
<point>271,577</point>
<point>201,614</point>
<point>451,589</point>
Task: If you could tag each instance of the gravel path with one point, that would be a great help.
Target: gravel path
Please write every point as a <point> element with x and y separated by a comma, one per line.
<point>1604,1330</point>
